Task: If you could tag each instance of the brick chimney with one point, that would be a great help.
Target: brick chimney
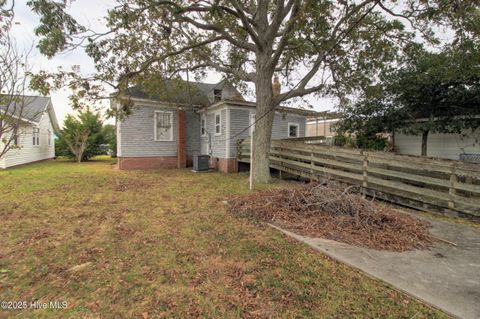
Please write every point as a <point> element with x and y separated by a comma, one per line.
<point>276,87</point>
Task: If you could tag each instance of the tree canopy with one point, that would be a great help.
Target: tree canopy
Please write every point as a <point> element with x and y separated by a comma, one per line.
<point>433,92</point>
<point>82,136</point>
<point>330,48</point>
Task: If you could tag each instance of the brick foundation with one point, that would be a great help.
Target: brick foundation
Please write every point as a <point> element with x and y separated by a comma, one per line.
<point>224,165</point>
<point>128,163</point>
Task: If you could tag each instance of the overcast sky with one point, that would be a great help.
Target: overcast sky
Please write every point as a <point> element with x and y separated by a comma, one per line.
<point>89,12</point>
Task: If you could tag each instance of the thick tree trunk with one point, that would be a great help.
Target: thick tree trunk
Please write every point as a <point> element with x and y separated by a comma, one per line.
<point>424,142</point>
<point>263,127</point>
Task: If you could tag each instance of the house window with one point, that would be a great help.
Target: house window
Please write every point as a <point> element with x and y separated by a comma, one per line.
<point>218,121</point>
<point>163,126</point>
<point>252,123</point>
<point>293,129</point>
<point>36,136</point>
<point>15,139</point>
<point>217,95</point>
<point>203,123</point>
<point>49,137</point>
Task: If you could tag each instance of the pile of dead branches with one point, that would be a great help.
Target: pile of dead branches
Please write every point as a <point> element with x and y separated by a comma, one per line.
<point>336,212</point>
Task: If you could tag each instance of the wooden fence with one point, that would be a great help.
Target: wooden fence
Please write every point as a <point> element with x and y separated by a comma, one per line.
<point>446,186</point>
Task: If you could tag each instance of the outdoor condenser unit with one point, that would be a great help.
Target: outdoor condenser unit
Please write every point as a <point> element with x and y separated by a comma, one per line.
<point>200,162</point>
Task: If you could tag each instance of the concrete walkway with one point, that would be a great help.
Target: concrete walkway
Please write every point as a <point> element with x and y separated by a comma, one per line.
<point>446,276</point>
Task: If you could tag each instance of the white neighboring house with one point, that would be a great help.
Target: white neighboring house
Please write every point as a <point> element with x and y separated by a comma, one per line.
<point>35,138</point>
<point>448,146</point>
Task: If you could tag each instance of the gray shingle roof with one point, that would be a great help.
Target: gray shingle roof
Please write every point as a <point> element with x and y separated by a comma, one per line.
<point>183,92</point>
<point>195,93</point>
<point>30,108</point>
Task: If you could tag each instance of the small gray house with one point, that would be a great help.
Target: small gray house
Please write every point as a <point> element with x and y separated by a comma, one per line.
<point>167,131</point>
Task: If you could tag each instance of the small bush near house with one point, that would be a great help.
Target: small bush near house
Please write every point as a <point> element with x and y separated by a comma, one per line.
<point>343,140</point>
<point>371,142</point>
<point>84,136</point>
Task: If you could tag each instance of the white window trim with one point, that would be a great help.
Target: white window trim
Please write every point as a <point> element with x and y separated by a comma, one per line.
<point>219,124</point>
<point>251,123</point>
<point>298,129</point>
<point>203,118</point>
<point>170,139</point>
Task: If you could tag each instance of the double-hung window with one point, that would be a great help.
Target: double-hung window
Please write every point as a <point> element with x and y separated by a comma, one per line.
<point>293,129</point>
<point>15,139</point>
<point>163,126</point>
<point>36,136</point>
<point>218,124</point>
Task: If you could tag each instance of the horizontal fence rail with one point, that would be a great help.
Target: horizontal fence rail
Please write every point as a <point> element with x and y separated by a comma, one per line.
<point>447,186</point>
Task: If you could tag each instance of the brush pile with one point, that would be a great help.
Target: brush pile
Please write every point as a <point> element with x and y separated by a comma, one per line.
<point>336,212</point>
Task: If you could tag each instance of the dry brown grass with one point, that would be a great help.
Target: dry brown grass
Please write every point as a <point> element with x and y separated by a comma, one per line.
<point>159,244</point>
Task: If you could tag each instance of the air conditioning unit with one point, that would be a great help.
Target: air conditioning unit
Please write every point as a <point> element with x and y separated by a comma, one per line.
<point>201,162</point>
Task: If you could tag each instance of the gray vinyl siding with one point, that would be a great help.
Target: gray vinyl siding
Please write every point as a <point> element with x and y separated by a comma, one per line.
<point>280,125</point>
<point>193,133</point>
<point>240,119</point>
<point>137,133</point>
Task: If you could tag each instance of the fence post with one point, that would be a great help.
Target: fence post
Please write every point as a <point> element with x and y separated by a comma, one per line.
<point>451,190</point>
<point>311,163</point>
<point>365,174</point>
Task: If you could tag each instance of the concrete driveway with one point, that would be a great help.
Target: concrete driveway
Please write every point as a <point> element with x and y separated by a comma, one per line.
<point>446,276</point>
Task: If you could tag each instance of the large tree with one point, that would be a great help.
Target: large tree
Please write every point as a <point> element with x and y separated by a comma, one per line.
<point>318,46</point>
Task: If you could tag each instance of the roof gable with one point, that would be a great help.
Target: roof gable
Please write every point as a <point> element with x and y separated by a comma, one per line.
<point>31,108</point>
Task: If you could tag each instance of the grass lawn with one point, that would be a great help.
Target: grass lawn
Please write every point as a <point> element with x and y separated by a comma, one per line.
<point>160,244</point>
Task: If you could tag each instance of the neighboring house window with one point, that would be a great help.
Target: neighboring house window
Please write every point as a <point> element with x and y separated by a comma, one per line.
<point>331,127</point>
<point>293,129</point>
<point>252,123</point>
<point>203,123</point>
<point>163,126</point>
<point>36,136</point>
<point>217,95</point>
<point>15,139</point>
<point>218,121</point>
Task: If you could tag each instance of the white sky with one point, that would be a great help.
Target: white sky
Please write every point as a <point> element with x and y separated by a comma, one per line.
<point>90,13</point>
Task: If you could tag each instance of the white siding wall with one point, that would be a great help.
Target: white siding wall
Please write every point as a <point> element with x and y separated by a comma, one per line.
<point>27,152</point>
<point>2,160</point>
<point>448,146</point>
